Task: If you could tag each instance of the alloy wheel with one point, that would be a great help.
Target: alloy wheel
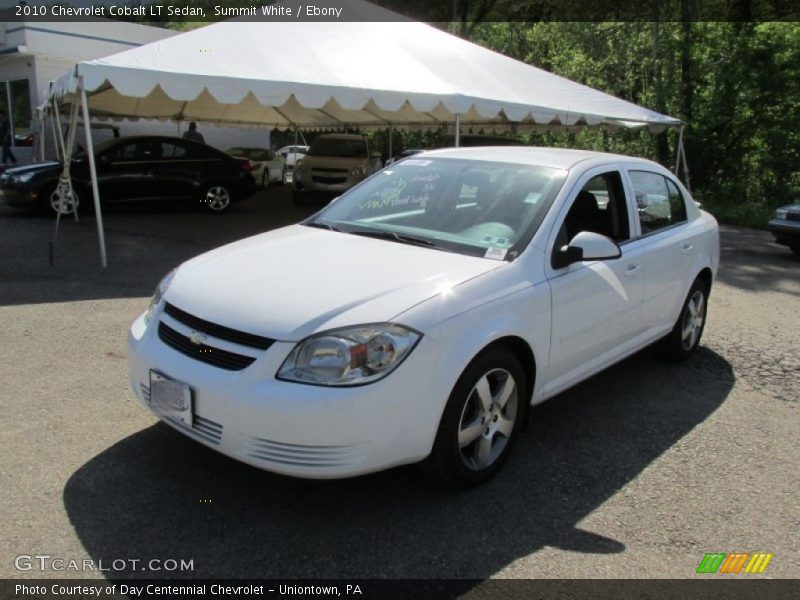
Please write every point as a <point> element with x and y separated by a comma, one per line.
<point>693,320</point>
<point>217,198</point>
<point>488,419</point>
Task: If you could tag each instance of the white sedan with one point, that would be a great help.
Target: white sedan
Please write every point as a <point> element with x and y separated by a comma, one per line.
<point>421,315</point>
<point>266,166</point>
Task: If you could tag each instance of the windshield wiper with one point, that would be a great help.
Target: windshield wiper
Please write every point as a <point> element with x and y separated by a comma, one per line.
<point>397,237</point>
<point>320,225</point>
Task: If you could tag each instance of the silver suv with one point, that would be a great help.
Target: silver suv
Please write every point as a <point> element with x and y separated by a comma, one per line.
<point>334,163</point>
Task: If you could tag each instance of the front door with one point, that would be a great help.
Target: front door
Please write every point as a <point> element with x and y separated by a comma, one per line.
<point>596,305</point>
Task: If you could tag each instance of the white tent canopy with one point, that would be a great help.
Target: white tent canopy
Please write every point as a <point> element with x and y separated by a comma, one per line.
<point>319,75</point>
<point>382,71</point>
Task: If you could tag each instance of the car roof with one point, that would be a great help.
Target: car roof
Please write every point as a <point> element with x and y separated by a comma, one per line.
<point>556,158</point>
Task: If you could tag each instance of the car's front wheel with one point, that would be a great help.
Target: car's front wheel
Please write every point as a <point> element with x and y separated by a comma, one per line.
<point>480,421</point>
<point>685,336</point>
<point>217,197</point>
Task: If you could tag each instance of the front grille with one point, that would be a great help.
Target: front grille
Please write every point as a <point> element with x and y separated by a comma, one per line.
<point>202,352</point>
<point>328,180</point>
<point>218,331</point>
<point>793,216</point>
<point>329,170</point>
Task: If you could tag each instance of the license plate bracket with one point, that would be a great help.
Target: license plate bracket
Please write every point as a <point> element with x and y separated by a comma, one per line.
<point>171,398</point>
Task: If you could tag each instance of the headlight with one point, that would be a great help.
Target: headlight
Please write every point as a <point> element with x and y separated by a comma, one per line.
<point>24,178</point>
<point>358,171</point>
<point>158,295</point>
<point>781,213</point>
<point>349,356</point>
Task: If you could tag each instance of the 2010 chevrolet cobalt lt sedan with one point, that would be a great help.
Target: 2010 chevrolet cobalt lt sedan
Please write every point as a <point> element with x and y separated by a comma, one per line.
<point>419,316</point>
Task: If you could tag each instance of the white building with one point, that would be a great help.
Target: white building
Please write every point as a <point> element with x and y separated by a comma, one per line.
<point>32,54</point>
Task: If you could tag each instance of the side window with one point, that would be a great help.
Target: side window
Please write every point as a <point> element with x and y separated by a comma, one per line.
<point>125,152</point>
<point>658,201</point>
<point>676,202</point>
<point>599,207</point>
<point>171,151</point>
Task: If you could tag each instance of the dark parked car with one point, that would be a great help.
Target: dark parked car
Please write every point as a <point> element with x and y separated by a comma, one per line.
<point>785,226</point>
<point>137,168</point>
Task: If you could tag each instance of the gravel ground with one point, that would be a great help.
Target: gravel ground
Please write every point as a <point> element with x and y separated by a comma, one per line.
<point>635,473</point>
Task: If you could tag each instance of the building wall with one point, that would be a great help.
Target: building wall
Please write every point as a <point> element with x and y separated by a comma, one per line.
<point>43,52</point>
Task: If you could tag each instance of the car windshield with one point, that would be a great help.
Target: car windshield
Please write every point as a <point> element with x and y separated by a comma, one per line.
<point>338,147</point>
<point>479,208</point>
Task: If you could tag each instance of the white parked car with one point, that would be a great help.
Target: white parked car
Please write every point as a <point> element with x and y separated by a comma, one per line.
<point>267,166</point>
<point>335,163</point>
<point>421,315</point>
<point>292,154</point>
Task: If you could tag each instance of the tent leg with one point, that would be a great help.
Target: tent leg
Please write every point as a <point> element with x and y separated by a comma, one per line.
<point>687,179</point>
<point>458,129</point>
<point>678,152</point>
<point>295,135</point>
<point>93,171</point>
<point>391,142</point>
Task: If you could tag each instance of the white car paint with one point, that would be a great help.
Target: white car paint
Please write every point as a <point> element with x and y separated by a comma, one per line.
<point>267,167</point>
<point>297,281</point>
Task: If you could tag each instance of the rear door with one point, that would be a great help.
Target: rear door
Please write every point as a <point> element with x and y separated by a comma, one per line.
<point>668,242</point>
<point>183,167</point>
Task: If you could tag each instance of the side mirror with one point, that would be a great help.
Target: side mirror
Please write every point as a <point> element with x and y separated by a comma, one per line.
<point>586,246</point>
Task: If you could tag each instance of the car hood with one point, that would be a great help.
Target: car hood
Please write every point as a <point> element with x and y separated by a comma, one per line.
<point>33,168</point>
<point>295,281</point>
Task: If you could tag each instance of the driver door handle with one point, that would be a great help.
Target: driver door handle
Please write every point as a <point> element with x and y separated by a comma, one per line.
<point>632,269</point>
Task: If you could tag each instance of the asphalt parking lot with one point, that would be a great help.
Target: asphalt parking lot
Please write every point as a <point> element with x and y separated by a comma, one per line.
<point>637,472</point>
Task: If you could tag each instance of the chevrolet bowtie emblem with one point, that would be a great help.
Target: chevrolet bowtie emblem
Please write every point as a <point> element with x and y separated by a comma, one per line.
<point>198,338</point>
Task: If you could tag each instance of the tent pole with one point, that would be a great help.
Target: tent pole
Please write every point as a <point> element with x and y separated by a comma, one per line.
<point>93,170</point>
<point>59,133</point>
<point>458,129</point>
<point>69,149</point>
<point>678,152</point>
<point>685,167</point>
<point>295,135</point>
<point>391,142</point>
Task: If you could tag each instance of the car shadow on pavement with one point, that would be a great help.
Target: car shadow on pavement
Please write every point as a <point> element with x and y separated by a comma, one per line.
<point>158,495</point>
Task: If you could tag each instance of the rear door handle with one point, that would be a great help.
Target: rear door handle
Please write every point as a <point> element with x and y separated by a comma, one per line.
<point>687,248</point>
<point>632,269</point>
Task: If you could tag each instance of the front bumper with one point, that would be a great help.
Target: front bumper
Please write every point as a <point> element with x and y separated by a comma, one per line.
<point>18,196</point>
<point>785,231</point>
<point>295,429</point>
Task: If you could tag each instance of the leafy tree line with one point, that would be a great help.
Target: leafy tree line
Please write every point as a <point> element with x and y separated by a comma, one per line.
<point>734,83</point>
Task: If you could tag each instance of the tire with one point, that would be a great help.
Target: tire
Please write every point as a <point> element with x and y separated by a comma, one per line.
<point>681,343</point>
<point>265,178</point>
<point>50,200</point>
<point>217,197</point>
<point>480,421</point>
